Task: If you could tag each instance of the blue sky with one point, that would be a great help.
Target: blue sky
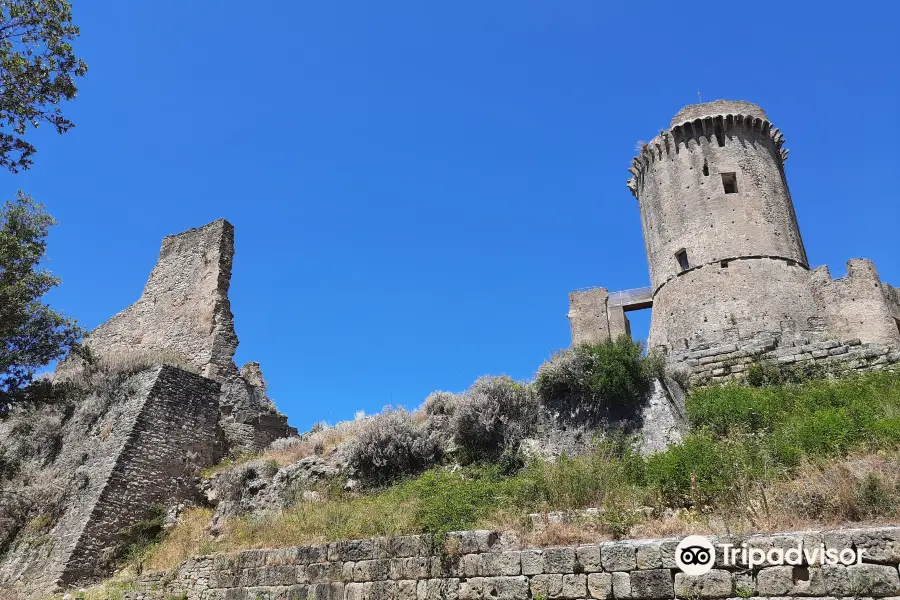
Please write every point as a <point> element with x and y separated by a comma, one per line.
<point>416,186</point>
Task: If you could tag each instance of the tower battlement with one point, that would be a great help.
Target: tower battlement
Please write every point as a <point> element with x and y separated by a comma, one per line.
<point>684,136</point>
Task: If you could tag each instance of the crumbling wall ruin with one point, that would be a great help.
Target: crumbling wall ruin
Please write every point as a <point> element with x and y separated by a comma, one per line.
<point>588,316</point>
<point>857,305</point>
<point>184,312</point>
<point>184,308</point>
<point>139,442</point>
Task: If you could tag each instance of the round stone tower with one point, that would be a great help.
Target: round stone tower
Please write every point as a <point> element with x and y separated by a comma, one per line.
<point>725,253</point>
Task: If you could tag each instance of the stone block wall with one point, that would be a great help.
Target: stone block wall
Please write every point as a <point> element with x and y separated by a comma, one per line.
<point>718,363</point>
<point>184,308</point>
<point>489,565</point>
<point>184,311</point>
<point>857,305</point>
<point>588,316</point>
<point>174,435</point>
<point>147,448</point>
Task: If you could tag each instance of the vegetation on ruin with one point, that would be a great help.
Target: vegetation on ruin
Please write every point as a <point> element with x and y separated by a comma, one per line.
<point>820,451</point>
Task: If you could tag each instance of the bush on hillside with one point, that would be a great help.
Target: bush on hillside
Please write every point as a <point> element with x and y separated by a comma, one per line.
<point>391,445</point>
<point>594,381</point>
<point>492,417</point>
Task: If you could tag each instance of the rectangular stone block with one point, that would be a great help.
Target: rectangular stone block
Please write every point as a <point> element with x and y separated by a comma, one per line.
<point>715,584</point>
<point>874,580</point>
<point>559,560</point>
<point>652,584</point>
<point>618,556</point>
<point>472,565</point>
<point>406,590</point>
<point>546,585</point>
<point>506,588</point>
<point>589,558</point>
<point>532,561</point>
<point>600,585</point>
<point>358,591</point>
<point>648,556</point>
<point>471,589</point>
<point>574,586</point>
<point>621,585</point>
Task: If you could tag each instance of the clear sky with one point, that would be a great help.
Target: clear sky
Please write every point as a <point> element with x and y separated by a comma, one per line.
<point>416,186</point>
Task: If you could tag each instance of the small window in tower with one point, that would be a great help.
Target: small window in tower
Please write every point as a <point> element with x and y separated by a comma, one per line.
<point>705,168</point>
<point>729,182</point>
<point>682,258</point>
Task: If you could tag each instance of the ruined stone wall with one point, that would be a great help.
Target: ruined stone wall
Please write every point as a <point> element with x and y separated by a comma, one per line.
<point>857,305</point>
<point>184,308</point>
<point>159,429</point>
<point>489,565</point>
<point>588,316</point>
<point>173,437</point>
<point>729,361</point>
<point>88,454</point>
<point>184,312</point>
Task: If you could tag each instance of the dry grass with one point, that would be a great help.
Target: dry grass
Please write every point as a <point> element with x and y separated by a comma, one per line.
<point>84,375</point>
<point>189,538</point>
<point>287,451</point>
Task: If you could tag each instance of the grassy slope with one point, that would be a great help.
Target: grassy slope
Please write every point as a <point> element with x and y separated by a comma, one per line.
<point>820,451</point>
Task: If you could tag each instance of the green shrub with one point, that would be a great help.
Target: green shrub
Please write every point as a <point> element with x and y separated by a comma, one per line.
<point>768,373</point>
<point>593,381</point>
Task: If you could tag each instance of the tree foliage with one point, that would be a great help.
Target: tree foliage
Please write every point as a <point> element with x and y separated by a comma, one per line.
<point>38,68</point>
<point>31,333</point>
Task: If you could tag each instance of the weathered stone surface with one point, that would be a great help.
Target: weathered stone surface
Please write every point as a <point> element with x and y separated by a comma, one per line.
<point>532,561</point>
<point>618,556</point>
<point>621,585</point>
<point>715,584</point>
<point>589,557</point>
<point>600,585</point>
<point>648,555</point>
<point>652,583</point>
<point>574,586</point>
<point>873,580</point>
<point>559,560</point>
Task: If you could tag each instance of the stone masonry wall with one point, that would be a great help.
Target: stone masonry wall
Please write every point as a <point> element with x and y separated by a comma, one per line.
<point>184,308</point>
<point>588,316</point>
<point>184,311</point>
<point>174,435</point>
<point>488,565</point>
<point>87,458</point>
<point>718,363</point>
<point>159,430</point>
<point>857,305</point>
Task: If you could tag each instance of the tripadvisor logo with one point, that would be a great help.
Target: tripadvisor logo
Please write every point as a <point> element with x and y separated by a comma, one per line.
<point>696,555</point>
